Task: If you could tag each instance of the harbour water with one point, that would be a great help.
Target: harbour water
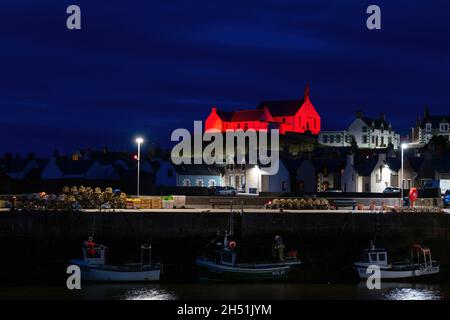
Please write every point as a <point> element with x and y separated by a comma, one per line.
<point>206,291</point>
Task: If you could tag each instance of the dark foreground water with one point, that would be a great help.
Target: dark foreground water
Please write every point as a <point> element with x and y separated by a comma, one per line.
<point>280,291</point>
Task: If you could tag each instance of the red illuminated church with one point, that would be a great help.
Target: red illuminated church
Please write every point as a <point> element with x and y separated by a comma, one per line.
<point>286,115</point>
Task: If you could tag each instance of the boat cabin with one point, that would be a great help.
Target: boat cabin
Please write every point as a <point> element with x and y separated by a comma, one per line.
<point>421,255</point>
<point>375,256</point>
<point>95,255</point>
<point>226,257</point>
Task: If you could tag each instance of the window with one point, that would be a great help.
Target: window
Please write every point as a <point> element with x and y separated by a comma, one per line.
<point>169,173</point>
<point>186,183</point>
<point>246,126</point>
<point>338,139</point>
<point>382,141</point>
<point>331,139</point>
<point>199,182</point>
<point>346,139</point>
<point>443,127</point>
<point>364,139</point>
<point>364,129</point>
<point>390,140</point>
<point>325,138</point>
<point>428,127</point>
<point>373,257</point>
<point>211,183</point>
<point>381,257</point>
<point>373,139</point>
<point>284,120</point>
<point>238,125</point>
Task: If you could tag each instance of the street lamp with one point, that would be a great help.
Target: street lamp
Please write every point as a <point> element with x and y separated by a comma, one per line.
<point>404,146</point>
<point>139,141</point>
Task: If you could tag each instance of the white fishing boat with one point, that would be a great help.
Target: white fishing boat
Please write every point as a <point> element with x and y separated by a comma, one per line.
<point>418,264</point>
<point>223,265</point>
<point>94,268</point>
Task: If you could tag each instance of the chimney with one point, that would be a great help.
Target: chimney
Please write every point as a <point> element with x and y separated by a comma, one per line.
<point>266,108</point>
<point>382,116</point>
<point>359,114</point>
<point>351,159</point>
<point>214,109</point>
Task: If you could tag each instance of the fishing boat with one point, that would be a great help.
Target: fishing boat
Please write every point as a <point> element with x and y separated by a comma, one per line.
<point>94,268</point>
<point>223,265</point>
<point>418,265</point>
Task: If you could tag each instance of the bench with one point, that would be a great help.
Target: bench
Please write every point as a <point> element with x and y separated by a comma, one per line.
<point>340,203</point>
<point>215,202</point>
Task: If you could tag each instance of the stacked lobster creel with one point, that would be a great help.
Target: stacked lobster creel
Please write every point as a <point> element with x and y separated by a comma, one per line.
<point>299,204</point>
<point>74,198</point>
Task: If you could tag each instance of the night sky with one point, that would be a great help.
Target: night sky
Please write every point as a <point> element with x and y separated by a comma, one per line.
<point>152,66</point>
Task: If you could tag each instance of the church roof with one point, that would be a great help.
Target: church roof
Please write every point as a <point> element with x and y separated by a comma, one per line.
<point>245,115</point>
<point>280,108</point>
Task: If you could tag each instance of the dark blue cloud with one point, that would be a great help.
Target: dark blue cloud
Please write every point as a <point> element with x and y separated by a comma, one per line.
<point>149,67</point>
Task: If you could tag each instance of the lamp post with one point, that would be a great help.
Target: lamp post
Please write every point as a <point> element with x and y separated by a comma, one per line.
<point>139,141</point>
<point>404,146</point>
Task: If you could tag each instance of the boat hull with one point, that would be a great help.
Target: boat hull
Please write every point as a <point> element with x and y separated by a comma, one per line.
<point>102,273</point>
<point>389,272</point>
<point>211,271</point>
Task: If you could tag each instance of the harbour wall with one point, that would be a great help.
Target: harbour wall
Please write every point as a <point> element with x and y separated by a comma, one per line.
<point>35,244</point>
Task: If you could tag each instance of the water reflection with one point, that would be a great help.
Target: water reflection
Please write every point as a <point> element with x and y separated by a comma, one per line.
<point>148,294</point>
<point>412,294</point>
<point>256,291</point>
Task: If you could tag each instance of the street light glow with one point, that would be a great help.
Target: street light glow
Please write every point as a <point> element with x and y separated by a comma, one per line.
<point>404,145</point>
<point>139,140</point>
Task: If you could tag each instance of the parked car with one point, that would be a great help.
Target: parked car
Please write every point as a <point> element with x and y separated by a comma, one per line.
<point>333,190</point>
<point>223,191</point>
<point>391,190</point>
<point>446,198</point>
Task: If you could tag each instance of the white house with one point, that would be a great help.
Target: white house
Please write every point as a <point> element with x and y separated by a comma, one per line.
<point>367,174</point>
<point>371,133</point>
<point>429,126</point>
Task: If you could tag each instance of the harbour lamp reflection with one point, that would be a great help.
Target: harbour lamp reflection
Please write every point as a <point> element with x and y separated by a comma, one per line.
<point>148,294</point>
<point>412,294</point>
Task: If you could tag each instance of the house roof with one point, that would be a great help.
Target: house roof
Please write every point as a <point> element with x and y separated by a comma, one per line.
<point>377,122</point>
<point>415,162</point>
<point>441,165</point>
<point>394,164</point>
<point>197,169</point>
<point>435,120</point>
<point>279,108</point>
<point>331,164</point>
<point>364,167</point>
<point>13,165</point>
<point>74,167</point>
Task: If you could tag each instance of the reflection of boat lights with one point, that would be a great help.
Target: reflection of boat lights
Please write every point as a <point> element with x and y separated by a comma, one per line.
<point>148,294</point>
<point>412,294</point>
